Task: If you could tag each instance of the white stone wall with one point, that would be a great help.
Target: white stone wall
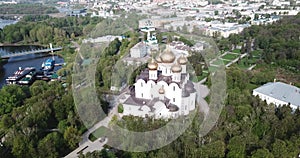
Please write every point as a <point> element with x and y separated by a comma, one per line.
<point>173,92</point>
<point>176,77</point>
<point>166,68</point>
<point>270,99</point>
<point>153,74</point>
<point>183,68</point>
<point>192,98</point>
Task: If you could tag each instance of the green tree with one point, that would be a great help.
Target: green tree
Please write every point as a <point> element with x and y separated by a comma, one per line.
<point>279,148</point>
<point>11,96</point>
<point>49,145</point>
<point>72,136</point>
<point>262,153</point>
<point>236,147</point>
<point>23,147</point>
<point>216,12</point>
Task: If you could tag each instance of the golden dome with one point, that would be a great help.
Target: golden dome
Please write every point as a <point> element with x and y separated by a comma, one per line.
<point>182,60</point>
<point>152,65</point>
<point>158,59</point>
<point>176,68</point>
<point>161,90</point>
<point>167,56</point>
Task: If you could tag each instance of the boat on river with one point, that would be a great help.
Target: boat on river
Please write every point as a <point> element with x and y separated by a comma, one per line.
<point>48,65</point>
<point>19,74</point>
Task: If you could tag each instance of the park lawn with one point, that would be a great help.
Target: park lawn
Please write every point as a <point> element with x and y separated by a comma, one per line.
<point>218,62</point>
<point>100,132</point>
<point>204,74</point>
<point>237,51</point>
<point>242,64</point>
<point>226,62</point>
<point>256,53</point>
<point>251,61</point>
<point>230,56</point>
<point>213,68</point>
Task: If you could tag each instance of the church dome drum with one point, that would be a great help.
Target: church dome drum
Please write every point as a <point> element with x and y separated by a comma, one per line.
<point>152,65</point>
<point>176,68</point>
<point>168,56</point>
<point>182,60</point>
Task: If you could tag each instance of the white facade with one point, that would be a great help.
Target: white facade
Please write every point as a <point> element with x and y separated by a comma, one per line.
<point>279,94</point>
<point>179,48</point>
<point>139,50</point>
<point>163,90</point>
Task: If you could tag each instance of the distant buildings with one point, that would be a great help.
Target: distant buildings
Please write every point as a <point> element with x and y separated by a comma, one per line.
<point>265,21</point>
<point>279,94</point>
<point>226,29</point>
<point>78,12</point>
<point>157,22</point>
<point>139,50</point>
<point>179,48</point>
<point>8,2</point>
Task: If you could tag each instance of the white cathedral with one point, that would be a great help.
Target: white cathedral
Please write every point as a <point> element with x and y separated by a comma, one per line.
<point>163,90</point>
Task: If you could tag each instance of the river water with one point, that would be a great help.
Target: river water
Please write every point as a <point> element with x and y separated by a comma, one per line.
<point>31,60</point>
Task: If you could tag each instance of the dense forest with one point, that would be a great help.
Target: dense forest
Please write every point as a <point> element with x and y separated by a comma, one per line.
<point>38,121</point>
<point>43,29</point>
<point>24,8</point>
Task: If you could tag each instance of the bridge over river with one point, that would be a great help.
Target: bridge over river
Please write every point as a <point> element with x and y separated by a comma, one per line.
<point>15,54</point>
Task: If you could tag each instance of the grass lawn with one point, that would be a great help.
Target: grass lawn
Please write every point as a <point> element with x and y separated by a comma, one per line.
<point>237,51</point>
<point>256,53</point>
<point>213,68</point>
<point>100,132</point>
<point>243,63</point>
<point>202,76</point>
<point>226,62</point>
<point>218,62</point>
<point>230,56</point>
<point>243,66</point>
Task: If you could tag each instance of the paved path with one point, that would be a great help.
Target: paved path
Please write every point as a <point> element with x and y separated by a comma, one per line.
<point>225,59</point>
<point>241,56</point>
<point>202,92</point>
<point>233,53</point>
<point>251,67</point>
<point>235,60</point>
<point>77,46</point>
<point>220,58</point>
<point>86,145</point>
